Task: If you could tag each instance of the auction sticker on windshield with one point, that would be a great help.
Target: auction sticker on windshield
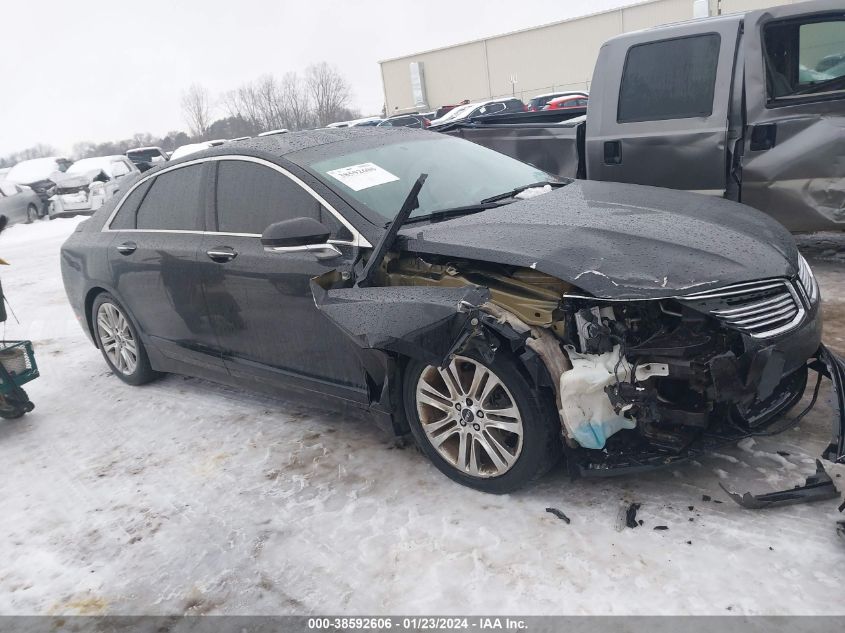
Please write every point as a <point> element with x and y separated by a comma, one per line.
<point>363,176</point>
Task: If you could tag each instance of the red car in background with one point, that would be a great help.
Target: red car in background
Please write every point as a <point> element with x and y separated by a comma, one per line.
<point>565,103</point>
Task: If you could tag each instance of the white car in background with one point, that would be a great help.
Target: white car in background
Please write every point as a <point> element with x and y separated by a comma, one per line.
<point>89,182</point>
<point>192,148</point>
<point>365,122</point>
<point>40,175</point>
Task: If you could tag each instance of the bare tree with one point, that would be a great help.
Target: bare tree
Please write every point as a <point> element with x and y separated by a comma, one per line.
<point>270,104</point>
<point>297,104</point>
<point>196,110</point>
<point>243,103</point>
<point>329,91</point>
<point>36,151</point>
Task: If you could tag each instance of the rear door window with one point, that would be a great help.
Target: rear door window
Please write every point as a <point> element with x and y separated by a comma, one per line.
<point>669,79</point>
<point>173,201</point>
<point>251,197</point>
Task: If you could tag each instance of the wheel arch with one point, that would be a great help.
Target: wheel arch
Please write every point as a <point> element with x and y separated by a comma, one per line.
<point>88,305</point>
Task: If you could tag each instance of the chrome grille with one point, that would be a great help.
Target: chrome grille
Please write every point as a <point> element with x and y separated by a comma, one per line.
<point>761,309</point>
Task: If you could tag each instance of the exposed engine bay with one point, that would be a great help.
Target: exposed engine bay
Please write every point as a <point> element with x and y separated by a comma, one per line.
<point>637,384</point>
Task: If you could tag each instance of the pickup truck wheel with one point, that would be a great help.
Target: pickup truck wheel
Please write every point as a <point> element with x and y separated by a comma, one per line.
<point>481,424</point>
<point>119,342</point>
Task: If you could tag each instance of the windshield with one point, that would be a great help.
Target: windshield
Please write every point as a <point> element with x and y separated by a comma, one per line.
<point>456,113</point>
<point>89,164</point>
<point>460,174</point>
<point>33,170</point>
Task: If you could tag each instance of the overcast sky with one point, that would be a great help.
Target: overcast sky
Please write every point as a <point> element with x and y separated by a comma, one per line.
<point>96,70</point>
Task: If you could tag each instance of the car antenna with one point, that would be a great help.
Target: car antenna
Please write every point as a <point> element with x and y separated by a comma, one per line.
<point>386,242</point>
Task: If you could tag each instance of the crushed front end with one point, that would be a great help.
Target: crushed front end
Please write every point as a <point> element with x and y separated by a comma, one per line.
<point>638,383</point>
<point>686,374</point>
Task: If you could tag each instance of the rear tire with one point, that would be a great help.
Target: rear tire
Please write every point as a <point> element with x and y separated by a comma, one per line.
<point>118,340</point>
<point>452,415</point>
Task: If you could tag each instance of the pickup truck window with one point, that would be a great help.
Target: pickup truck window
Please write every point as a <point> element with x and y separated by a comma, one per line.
<point>669,79</point>
<point>805,59</point>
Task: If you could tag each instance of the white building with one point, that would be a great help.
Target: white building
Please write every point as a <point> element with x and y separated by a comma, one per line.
<point>547,58</point>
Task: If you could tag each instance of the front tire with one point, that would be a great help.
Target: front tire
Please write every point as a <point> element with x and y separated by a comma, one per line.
<point>482,425</point>
<point>31,214</point>
<point>119,342</point>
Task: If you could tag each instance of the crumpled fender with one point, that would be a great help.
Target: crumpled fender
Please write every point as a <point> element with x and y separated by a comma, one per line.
<point>424,323</point>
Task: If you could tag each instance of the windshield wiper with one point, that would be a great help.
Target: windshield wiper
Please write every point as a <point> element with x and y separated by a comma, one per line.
<point>519,190</point>
<point>386,241</point>
<point>454,212</point>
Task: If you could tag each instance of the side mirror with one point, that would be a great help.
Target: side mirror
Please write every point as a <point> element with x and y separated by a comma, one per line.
<point>295,232</point>
<point>300,235</point>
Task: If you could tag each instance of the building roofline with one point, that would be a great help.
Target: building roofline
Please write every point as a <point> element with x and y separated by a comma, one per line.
<point>632,3</point>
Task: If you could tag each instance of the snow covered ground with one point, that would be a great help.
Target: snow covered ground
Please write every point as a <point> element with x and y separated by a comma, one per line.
<point>186,497</point>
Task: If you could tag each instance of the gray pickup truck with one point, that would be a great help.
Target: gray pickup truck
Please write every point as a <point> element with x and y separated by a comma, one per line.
<point>747,106</point>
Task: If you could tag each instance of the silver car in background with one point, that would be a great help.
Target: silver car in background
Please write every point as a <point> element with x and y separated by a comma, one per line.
<point>89,182</point>
<point>18,203</point>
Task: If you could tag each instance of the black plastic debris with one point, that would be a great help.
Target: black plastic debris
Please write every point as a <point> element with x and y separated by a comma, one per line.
<point>661,528</point>
<point>706,498</point>
<point>690,508</point>
<point>560,515</point>
<point>818,487</point>
<point>631,516</point>
<point>783,453</point>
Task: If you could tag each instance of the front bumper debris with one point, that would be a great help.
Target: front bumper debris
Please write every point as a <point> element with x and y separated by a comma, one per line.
<point>818,486</point>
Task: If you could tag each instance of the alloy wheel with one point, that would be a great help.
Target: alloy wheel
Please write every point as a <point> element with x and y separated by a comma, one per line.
<point>470,417</point>
<point>116,338</point>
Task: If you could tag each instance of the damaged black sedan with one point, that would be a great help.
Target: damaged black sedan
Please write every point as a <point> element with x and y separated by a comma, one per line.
<point>503,317</point>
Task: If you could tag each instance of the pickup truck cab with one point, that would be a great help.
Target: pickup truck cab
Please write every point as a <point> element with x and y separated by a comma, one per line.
<point>747,106</point>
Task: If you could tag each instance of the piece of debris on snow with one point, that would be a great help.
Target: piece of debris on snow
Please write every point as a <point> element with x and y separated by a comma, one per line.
<point>706,498</point>
<point>661,527</point>
<point>560,515</point>
<point>783,453</point>
<point>818,487</point>
<point>627,516</point>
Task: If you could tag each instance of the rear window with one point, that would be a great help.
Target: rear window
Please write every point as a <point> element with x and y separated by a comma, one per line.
<point>173,202</point>
<point>669,79</point>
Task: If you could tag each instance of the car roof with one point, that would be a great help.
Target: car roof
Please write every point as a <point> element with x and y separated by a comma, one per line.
<point>142,149</point>
<point>280,145</point>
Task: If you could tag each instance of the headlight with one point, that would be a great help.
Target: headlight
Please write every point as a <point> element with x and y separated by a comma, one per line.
<point>808,280</point>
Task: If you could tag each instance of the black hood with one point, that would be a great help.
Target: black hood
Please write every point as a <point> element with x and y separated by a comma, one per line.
<point>621,241</point>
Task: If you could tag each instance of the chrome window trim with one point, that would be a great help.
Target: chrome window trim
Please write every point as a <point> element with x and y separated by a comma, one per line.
<point>357,238</point>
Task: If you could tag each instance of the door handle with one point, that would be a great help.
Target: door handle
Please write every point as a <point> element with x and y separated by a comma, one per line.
<point>127,248</point>
<point>763,137</point>
<point>222,254</point>
<point>613,152</point>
